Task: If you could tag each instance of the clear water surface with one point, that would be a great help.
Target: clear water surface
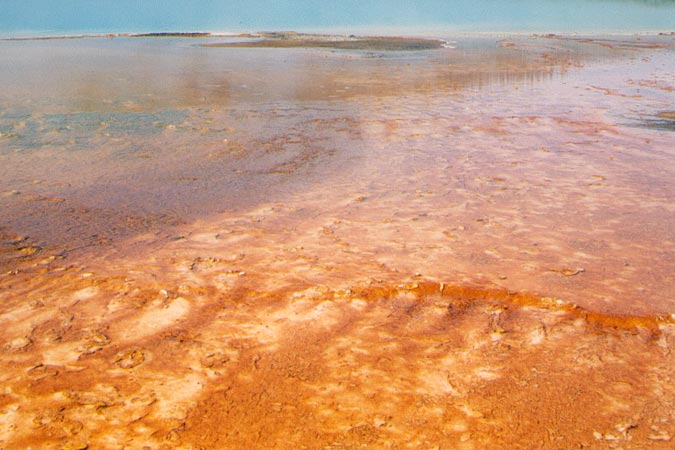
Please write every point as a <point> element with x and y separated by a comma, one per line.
<point>75,16</point>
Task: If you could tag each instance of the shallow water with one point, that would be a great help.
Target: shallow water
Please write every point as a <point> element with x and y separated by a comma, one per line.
<point>177,127</point>
<point>105,139</point>
<point>179,219</point>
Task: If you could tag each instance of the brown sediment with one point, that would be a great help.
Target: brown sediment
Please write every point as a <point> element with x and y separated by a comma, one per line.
<point>475,295</point>
<point>182,34</point>
<point>664,120</point>
<point>485,277</point>
<point>295,40</point>
<point>15,249</point>
<point>106,361</point>
<point>614,92</point>
<point>666,115</point>
<point>657,84</point>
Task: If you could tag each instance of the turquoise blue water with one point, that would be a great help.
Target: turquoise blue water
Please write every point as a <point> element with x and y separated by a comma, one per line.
<point>20,17</point>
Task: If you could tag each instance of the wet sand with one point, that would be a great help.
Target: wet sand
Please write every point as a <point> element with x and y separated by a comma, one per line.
<point>474,250</point>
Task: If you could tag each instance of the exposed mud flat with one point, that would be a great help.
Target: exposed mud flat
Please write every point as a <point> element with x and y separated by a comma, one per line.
<point>436,257</point>
<point>300,40</point>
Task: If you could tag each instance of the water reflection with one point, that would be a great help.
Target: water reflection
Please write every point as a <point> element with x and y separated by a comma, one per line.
<point>144,74</point>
